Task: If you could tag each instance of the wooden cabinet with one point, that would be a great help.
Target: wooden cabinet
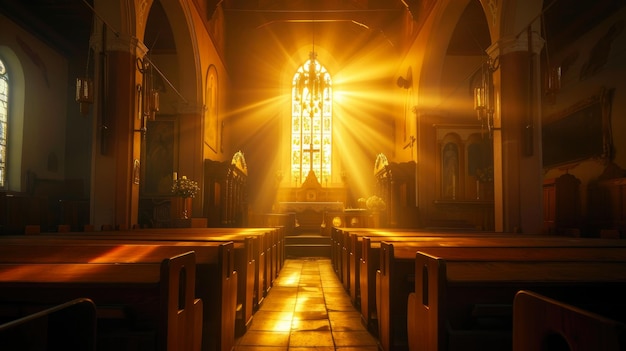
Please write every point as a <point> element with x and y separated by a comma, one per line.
<point>607,205</point>
<point>395,184</point>
<point>562,205</point>
<point>225,192</point>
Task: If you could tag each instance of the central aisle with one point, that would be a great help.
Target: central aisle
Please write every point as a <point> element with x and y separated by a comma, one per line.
<point>306,309</point>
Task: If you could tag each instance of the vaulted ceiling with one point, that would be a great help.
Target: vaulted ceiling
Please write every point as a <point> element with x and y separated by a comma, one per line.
<point>66,24</point>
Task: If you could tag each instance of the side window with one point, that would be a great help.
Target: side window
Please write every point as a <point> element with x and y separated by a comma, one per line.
<point>4,117</point>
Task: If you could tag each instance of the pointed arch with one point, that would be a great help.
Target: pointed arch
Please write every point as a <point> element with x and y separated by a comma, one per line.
<point>311,122</point>
<point>12,176</point>
<point>4,120</point>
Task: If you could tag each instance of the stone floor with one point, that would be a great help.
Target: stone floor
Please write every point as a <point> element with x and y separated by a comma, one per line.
<point>307,309</point>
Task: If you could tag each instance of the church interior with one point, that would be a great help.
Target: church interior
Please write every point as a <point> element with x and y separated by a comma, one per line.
<point>336,120</point>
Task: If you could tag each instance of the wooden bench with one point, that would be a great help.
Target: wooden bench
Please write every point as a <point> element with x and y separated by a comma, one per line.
<point>70,326</point>
<point>370,257</point>
<point>257,257</point>
<point>347,255</point>
<point>346,252</point>
<point>159,297</point>
<point>269,244</point>
<point>216,279</point>
<point>284,220</point>
<point>455,289</point>
<point>353,252</point>
<point>540,323</point>
<point>360,261</point>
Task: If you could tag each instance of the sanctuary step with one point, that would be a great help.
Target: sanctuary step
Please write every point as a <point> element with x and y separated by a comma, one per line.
<point>307,245</point>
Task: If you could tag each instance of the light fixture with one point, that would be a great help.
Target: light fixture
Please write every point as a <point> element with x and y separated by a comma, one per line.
<point>150,97</point>
<point>552,82</point>
<point>84,89</point>
<point>84,94</point>
<point>483,96</point>
<point>407,82</point>
<point>149,104</point>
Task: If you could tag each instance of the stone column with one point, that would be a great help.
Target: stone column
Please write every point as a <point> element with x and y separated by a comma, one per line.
<point>116,138</point>
<point>518,170</point>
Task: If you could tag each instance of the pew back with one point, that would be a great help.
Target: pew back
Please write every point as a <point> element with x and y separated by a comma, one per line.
<point>447,287</point>
<point>160,296</point>
<point>540,322</point>
<point>215,282</point>
<point>70,326</point>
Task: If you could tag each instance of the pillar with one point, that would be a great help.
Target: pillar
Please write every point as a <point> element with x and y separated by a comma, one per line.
<point>518,170</point>
<point>116,139</point>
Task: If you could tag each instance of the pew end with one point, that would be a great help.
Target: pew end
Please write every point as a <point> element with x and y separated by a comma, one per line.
<point>541,323</point>
<point>423,312</point>
<point>198,307</point>
<point>180,327</point>
<point>486,328</point>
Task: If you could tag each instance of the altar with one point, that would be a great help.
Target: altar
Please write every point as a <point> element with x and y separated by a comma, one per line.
<point>310,202</point>
<point>319,207</point>
<point>310,215</point>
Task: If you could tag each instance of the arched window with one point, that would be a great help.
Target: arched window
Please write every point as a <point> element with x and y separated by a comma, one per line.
<point>4,117</point>
<point>311,122</point>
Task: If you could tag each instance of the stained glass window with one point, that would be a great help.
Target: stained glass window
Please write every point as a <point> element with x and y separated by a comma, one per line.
<point>311,122</point>
<point>4,116</point>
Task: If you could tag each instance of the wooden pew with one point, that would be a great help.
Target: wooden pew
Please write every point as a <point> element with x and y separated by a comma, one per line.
<point>360,261</point>
<point>352,253</point>
<point>540,322</point>
<point>270,251</point>
<point>347,249</point>
<point>356,259</point>
<point>216,279</point>
<point>70,326</point>
<point>370,257</point>
<point>453,289</point>
<point>256,261</point>
<point>160,296</point>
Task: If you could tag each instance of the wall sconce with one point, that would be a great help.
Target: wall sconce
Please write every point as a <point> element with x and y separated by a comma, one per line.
<point>403,82</point>
<point>84,88</point>
<point>552,83</point>
<point>483,96</point>
<point>407,82</point>
<point>150,96</point>
<point>149,104</point>
<point>84,94</point>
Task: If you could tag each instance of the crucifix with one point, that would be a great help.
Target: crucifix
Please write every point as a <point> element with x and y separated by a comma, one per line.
<point>311,151</point>
<point>315,87</point>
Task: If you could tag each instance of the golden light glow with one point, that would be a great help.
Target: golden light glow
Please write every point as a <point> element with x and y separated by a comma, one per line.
<point>283,322</point>
<point>366,106</point>
<point>311,122</point>
<point>125,254</point>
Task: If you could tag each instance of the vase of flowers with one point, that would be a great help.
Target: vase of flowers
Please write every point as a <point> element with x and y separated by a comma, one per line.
<point>186,189</point>
<point>375,205</point>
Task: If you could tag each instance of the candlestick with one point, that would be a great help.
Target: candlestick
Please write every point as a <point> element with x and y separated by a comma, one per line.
<point>454,186</point>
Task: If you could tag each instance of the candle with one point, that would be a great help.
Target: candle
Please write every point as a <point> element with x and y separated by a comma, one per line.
<point>175,176</point>
<point>454,186</point>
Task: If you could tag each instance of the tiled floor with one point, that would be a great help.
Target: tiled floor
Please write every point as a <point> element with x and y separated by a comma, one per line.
<point>307,309</point>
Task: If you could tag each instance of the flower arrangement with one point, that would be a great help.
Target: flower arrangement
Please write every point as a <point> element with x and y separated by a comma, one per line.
<point>362,202</point>
<point>184,187</point>
<point>375,203</point>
